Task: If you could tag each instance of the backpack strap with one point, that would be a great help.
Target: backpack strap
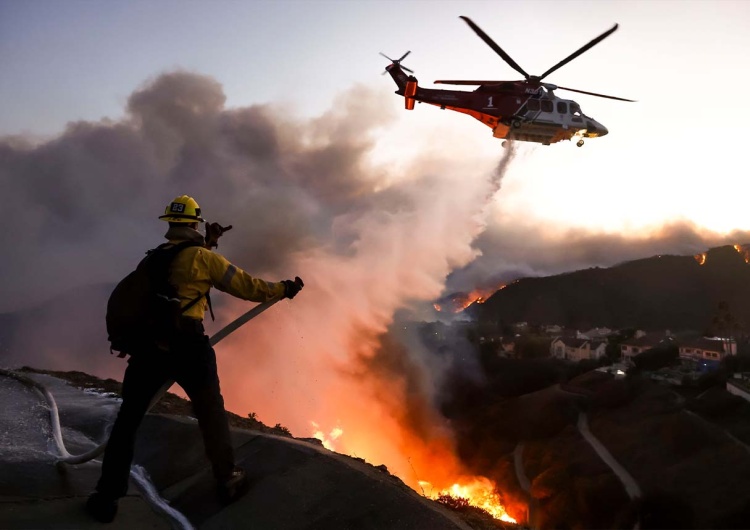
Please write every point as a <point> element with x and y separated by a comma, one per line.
<point>174,250</point>
<point>195,301</point>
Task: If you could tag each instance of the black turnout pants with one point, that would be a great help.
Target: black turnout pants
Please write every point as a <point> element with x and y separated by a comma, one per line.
<point>192,364</point>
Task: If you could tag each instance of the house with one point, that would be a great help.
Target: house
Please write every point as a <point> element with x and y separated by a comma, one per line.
<point>595,334</point>
<point>642,342</point>
<point>577,349</point>
<point>553,329</point>
<point>706,349</point>
<point>730,345</point>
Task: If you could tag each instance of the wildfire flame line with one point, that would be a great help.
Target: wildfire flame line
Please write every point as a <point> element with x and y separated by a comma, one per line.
<point>476,491</point>
<point>744,250</point>
<point>479,493</point>
<point>462,301</point>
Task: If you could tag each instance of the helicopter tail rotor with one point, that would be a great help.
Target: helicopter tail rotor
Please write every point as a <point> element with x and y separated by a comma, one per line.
<point>398,62</point>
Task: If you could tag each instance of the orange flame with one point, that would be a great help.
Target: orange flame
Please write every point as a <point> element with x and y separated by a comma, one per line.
<point>477,296</point>
<point>700,258</point>
<point>437,458</point>
<point>326,439</point>
<point>478,491</point>
<point>745,252</point>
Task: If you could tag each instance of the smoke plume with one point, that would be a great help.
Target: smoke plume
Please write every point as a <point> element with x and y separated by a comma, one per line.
<point>305,199</point>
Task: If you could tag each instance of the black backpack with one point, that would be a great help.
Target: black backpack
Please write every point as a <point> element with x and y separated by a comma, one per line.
<point>144,309</point>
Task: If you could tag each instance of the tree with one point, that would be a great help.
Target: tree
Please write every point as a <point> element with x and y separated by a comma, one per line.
<point>725,326</point>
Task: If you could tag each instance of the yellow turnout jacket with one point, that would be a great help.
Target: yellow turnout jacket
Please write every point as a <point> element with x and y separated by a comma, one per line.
<point>196,269</point>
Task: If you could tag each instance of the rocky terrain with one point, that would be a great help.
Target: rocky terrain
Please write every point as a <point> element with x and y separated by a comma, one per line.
<point>295,483</point>
<point>689,454</point>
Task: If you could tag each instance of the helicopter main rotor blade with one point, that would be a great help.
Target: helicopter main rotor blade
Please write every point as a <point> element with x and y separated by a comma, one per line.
<point>580,51</point>
<point>498,50</point>
<point>595,94</point>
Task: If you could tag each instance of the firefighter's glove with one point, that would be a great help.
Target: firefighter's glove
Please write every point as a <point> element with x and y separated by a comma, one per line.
<point>292,287</point>
<point>213,232</point>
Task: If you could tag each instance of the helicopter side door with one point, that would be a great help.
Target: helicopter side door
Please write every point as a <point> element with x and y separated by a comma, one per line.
<point>562,114</point>
<point>533,109</point>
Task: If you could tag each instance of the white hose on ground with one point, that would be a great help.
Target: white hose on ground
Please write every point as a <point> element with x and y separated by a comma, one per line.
<point>143,481</point>
<point>54,420</point>
<point>65,456</point>
<point>138,474</point>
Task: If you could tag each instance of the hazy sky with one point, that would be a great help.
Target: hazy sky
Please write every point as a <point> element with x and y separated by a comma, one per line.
<point>677,153</point>
<point>676,157</point>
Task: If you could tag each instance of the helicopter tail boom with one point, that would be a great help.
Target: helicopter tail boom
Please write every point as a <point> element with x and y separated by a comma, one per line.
<point>407,84</point>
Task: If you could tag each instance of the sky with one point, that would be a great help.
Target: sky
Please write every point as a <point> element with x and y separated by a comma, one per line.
<point>276,117</point>
<point>671,155</point>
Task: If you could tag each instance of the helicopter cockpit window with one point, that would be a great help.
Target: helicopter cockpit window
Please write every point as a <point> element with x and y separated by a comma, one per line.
<point>562,107</point>
<point>546,105</point>
<point>575,110</point>
<point>533,105</point>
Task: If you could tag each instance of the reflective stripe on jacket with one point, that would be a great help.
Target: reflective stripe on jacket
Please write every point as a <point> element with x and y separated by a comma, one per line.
<point>195,270</point>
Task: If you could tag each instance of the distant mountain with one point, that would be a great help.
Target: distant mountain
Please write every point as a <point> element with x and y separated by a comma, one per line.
<point>661,292</point>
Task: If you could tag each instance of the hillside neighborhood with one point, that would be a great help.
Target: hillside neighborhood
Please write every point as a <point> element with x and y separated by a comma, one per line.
<point>693,355</point>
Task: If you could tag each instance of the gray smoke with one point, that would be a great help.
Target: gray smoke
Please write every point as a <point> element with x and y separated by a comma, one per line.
<point>81,208</point>
<point>513,251</point>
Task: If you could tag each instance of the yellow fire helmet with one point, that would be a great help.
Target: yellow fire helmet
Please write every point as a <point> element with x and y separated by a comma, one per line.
<point>183,209</point>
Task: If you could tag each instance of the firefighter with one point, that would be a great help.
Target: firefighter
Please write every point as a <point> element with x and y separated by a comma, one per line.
<point>187,359</point>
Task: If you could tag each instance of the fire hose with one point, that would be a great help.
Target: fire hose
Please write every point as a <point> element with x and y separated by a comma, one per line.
<point>65,456</point>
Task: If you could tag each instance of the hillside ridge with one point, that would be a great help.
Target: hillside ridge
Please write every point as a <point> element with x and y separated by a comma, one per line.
<point>659,292</point>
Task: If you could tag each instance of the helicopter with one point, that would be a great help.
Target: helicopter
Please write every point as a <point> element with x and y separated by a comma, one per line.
<point>526,110</point>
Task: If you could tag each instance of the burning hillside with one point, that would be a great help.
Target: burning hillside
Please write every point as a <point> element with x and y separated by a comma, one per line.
<point>744,251</point>
<point>457,302</point>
